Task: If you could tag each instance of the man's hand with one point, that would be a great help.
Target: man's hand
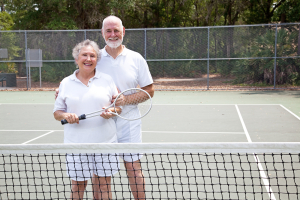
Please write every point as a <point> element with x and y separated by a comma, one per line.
<point>56,93</point>
<point>120,101</point>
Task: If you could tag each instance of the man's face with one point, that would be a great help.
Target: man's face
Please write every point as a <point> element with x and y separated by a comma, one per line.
<point>113,33</point>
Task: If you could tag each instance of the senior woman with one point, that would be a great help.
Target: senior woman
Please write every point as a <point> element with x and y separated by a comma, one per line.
<point>85,91</point>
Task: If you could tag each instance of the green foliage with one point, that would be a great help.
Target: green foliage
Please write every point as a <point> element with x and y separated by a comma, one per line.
<point>289,11</point>
<point>8,40</point>
<point>53,72</point>
<point>88,14</point>
<point>262,70</point>
<point>261,11</point>
<point>8,68</point>
<point>6,21</point>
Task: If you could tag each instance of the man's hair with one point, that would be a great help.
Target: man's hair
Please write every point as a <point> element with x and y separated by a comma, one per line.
<point>109,17</point>
<point>85,43</point>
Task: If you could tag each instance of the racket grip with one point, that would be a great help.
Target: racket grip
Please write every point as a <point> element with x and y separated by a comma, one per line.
<point>64,121</point>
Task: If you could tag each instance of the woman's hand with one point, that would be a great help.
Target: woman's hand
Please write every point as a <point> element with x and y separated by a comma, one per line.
<point>70,117</point>
<point>108,113</point>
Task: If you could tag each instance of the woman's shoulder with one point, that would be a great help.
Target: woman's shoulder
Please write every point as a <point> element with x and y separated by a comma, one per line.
<point>68,79</point>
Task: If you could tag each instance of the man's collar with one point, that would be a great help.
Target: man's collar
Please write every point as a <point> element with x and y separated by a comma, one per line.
<point>124,52</point>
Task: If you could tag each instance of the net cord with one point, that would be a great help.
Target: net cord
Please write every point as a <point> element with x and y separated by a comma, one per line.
<point>238,147</point>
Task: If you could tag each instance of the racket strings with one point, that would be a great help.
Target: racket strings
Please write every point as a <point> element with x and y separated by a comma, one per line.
<point>137,103</point>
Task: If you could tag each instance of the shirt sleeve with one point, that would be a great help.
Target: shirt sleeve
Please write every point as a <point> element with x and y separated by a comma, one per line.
<point>60,103</point>
<point>144,76</point>
<point>113,86</point>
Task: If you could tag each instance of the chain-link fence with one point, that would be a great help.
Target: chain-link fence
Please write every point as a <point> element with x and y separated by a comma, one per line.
<point>195,58</point>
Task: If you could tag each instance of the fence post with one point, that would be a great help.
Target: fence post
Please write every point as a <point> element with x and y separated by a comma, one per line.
<point>27,68</point>
<point>208,58</point>
<point>145,44</point>
<point>275,60</point>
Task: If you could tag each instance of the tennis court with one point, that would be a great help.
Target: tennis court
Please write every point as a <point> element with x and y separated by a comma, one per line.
<point>185,118</point>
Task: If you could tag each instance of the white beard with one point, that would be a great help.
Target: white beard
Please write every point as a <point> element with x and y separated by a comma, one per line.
<point>115,44</point>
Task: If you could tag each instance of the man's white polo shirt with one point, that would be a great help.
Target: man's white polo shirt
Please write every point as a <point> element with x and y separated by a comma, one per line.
<point>128,70</point>
<point>75,97</point>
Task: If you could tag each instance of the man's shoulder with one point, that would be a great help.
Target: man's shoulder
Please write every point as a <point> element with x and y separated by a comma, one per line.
<point>133,54</point>
<point>131,51</point>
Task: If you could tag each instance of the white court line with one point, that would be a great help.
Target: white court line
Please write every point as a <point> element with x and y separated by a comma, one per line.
<point>243,124</point>
<point>27,104</point>
<point>290,112</point>
<point>38,137</point>
<point>167,104</point>
<point>192,132</point>
<point>261,170</point>
<point>142,131</point>
<point>30,130</point>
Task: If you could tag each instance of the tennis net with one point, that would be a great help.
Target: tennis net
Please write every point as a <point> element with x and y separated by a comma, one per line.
<point>171,171</point>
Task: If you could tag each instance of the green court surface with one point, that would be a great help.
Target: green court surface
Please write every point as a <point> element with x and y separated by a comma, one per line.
<point>182,116</point>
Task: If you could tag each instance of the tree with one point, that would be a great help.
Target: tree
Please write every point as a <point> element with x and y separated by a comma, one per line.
<point>289,11</point>
<point>8,41</point>
<point>6,21</point>
<point>261,11</point>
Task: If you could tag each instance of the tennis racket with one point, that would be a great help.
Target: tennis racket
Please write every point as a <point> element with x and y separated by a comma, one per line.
<point>128,100</point>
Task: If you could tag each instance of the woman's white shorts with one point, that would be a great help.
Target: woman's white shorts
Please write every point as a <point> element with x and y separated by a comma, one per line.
<point>81,167</point>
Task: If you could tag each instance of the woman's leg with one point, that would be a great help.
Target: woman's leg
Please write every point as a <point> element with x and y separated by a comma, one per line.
<point>102,187</point>
<point>78,188</point>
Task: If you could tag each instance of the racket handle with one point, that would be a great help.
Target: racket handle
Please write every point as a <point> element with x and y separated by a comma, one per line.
<point>64,121</point>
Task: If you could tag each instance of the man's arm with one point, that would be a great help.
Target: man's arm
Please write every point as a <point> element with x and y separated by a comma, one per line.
<point>149,89</point>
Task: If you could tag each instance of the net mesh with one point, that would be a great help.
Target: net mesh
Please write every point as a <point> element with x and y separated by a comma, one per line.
<point>171,171</point>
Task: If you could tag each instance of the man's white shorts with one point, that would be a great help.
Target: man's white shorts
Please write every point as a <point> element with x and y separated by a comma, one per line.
<point>81,167</point>
<point>129,132</point>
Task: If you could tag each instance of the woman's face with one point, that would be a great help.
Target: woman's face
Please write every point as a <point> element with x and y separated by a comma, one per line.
<point>87,59</point>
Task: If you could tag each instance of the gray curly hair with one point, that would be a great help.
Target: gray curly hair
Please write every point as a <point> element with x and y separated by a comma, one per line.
<point>85,43</point>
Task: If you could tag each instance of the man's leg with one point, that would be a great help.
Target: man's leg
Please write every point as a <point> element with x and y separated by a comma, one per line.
<point>136,179</point>
<point>78,188</point>
<point>102,187</point>
<point>130,132</point>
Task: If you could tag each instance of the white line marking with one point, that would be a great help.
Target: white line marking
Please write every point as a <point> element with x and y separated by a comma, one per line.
<point>27,103</point>
<point>261,170</point>
<point>142,131</point>
<point>290,112</point>
<point>215,104</point>
<point>37,137</point>
<point>243,124</point>
<point>192,132</point>
<point>30,130</point>
<point>168,104</point>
